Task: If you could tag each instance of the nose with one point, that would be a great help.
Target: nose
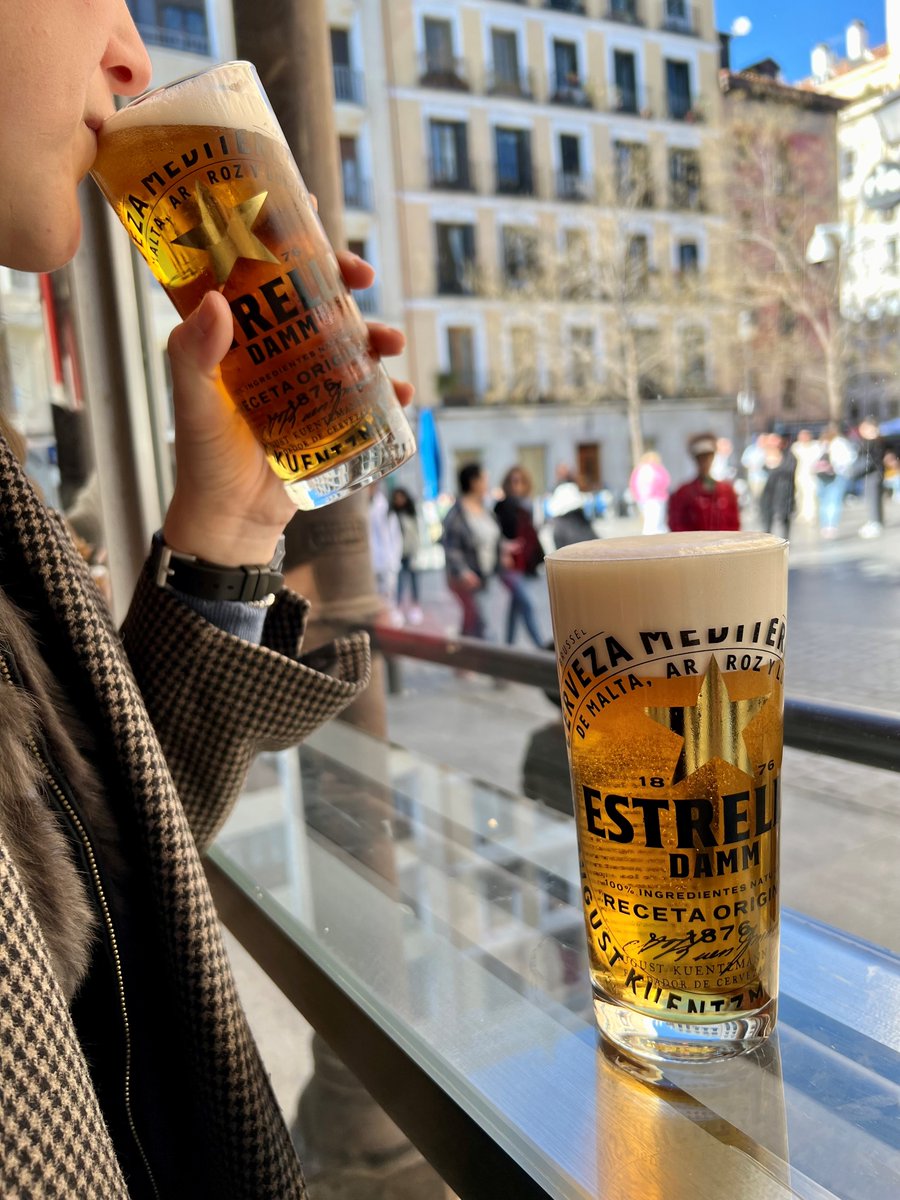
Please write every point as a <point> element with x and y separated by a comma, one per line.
<point>126,64</point>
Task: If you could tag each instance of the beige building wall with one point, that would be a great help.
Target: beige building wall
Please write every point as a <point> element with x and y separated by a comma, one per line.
<point>489,317</point>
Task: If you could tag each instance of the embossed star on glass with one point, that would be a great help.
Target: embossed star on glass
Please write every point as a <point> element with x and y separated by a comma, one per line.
<point>200,175</point>
<point>670,652</point>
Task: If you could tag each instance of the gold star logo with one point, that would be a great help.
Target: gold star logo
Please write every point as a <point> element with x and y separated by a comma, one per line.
<point>713,728</point>
<point>226,233</point>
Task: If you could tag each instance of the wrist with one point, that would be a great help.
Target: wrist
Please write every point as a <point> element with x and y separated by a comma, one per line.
<point>232,543</point>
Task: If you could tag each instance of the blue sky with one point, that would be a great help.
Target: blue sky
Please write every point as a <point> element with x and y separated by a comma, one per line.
<point>787,30</point>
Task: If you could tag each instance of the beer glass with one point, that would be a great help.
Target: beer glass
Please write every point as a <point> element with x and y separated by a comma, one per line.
<point>670,651</point>
<point>201,176</point>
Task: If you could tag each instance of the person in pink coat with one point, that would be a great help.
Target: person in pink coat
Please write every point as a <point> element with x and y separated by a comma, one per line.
<point>649,485</point>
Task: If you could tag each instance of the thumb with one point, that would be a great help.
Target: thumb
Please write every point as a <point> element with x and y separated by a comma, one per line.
<point>198,344</point>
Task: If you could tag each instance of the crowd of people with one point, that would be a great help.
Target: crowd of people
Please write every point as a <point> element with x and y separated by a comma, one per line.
<point>491,534</point>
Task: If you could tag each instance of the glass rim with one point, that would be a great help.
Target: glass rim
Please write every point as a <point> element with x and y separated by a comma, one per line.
<point>173,84</point>
<point>667,547</point>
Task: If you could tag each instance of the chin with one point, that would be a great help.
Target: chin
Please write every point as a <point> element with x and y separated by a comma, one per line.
<point>38,250</point>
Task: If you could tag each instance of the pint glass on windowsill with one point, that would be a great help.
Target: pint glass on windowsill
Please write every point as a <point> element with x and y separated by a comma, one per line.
<point>200,175</point>
<point>670,652</point>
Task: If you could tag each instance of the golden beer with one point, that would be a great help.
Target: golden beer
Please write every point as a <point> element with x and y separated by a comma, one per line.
<point>670,653</point>
<point>202,179</point>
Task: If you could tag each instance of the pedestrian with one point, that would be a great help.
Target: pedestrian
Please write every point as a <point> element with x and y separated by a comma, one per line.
<point>471,541</point>
<point>704,502</point>
<point>403,505</point>
<point>649,486</point>
<point>869,467</point>
<point>565,508</point>
<point>129,1070</point>
<point>832,474</point>
<point>723,464</point>
<point>524,551</point>
<point>807,450</point>
<point>753,461</point>
<point>777,501</point>
<point>386,548</point>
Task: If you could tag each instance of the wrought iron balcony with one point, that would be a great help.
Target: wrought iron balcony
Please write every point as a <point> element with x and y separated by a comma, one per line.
<point>452,176</point>
<point>444,71</point>
<point>575,185</point>
<point>349,85</point>
<point>175,39</point>
<point>515,86</point>
<point>679,16</point>
<point>457,388</point>
<point>627,12</point>
<point>357,191</point>
<point>570,89</point>
<point>369,300</point>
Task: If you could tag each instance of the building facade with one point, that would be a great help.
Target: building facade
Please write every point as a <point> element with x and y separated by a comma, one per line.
<point>781,171</point>
<point>865,241</point>
<point>555,218</point>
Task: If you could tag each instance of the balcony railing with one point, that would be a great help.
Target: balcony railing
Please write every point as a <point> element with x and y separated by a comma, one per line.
<point>686,198</point>
<point>457,388</point>
<point>575,185</point>
<point>685,108</point>
<point>632,101</point>
<point>522,184</point>
<point>627,12</point>
<point>349,85</point>
<point>452,177</point>
<point>680,17</point>
<point>518,86</point>
<point>570,89</point>
<point>369,300</point>
<point>461,282</point>
<point>175,39</point>
<point>444,71</point>
<point>357,191</point>
<point>569,6</point>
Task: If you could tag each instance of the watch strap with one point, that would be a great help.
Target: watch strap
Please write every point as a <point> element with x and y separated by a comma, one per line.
<point>211,581</point>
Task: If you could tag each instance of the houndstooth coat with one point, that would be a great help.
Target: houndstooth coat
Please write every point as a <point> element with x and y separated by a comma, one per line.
<point>185,706</point>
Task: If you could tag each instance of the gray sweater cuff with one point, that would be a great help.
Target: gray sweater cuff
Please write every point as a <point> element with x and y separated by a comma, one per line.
<point>243,621</point>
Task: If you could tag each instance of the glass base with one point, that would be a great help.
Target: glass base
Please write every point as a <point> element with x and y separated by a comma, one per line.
<point>656,1040</point>
<point>370,465</point>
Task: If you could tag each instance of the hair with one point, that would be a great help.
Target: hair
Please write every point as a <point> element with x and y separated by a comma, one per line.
<point>409,505</point>
<point>508,478</point>
<point>467,476</point>
<point>650,456</point>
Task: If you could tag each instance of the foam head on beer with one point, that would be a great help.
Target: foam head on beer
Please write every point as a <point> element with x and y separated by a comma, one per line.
<point>670,651</point>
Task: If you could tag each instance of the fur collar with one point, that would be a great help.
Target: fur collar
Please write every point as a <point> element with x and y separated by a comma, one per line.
<point>29,825</point>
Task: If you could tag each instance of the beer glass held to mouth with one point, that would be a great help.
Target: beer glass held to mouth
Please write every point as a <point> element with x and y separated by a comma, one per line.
<point>201,176</point>
<point>670,651</point>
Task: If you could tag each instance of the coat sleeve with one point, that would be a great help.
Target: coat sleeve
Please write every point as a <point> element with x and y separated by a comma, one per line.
<point>215,701</point>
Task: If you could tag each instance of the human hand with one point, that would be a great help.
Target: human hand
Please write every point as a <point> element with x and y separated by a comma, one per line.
<point>228,505</point>
<point>470,581</point>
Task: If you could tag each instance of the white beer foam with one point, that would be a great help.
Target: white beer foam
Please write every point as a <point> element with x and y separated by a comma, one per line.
<point>665,545</point>
<point>226,97</point>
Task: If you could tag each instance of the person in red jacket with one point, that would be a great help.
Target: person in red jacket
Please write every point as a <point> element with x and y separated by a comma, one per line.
<point>704,503</point>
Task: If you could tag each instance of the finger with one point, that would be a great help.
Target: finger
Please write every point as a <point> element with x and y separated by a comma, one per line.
<point>200,342</point>
<point>404,391</point>
<point>385,340</point>
<point>315,201</point>
<point>356,271</point>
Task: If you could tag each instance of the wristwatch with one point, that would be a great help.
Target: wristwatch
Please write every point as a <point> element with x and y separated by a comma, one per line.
<point>211,581</point>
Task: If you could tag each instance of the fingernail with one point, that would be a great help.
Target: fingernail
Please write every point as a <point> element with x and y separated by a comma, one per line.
<point>205,316</point>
